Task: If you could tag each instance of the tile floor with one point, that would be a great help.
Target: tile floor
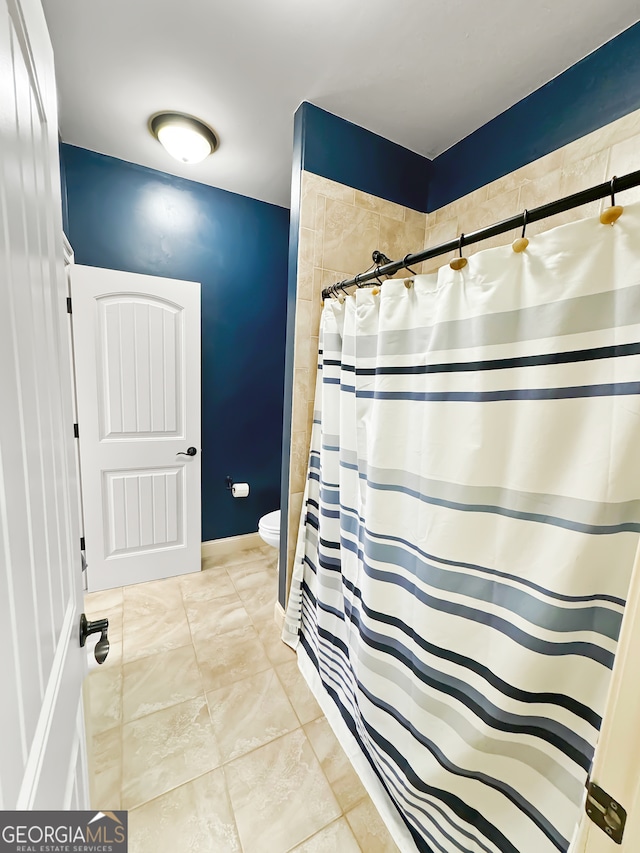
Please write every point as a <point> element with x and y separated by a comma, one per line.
<point>203,728</point>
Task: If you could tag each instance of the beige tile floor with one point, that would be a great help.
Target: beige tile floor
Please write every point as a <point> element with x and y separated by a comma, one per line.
<point>203,728</point>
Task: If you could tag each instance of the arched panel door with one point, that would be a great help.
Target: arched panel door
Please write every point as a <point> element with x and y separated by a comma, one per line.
<point>137,356</point>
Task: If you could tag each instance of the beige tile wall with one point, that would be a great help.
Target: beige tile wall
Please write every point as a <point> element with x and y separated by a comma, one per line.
<point>612,150</point>
<point>339,229</point>
<point>341,226</point>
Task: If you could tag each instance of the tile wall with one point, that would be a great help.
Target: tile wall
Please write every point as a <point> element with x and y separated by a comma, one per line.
<point>612,150</point>
<point>339,229</point>
<point>341,226</point>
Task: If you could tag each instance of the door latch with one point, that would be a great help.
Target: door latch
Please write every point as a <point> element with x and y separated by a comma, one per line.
<point>605,812</point>
<point>102,646</point>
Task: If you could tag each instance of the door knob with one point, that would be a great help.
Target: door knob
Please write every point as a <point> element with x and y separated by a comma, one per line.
<point>102,646</point>
<point>191,451</point>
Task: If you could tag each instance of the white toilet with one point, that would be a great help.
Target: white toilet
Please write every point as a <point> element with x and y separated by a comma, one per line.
<point>269,528</point>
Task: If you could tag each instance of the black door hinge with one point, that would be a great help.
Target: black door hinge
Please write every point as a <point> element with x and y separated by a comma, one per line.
<point>82,543</point>
<point>69,311</point>
<point>605,812</point>
<point>76,434</point>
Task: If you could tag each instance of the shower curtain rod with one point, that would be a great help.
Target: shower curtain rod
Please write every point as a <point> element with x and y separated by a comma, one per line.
<point>616,184</point>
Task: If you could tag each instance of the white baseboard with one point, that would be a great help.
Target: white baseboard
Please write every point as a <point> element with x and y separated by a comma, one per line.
<point>278,615</point>
<point>230,545</point>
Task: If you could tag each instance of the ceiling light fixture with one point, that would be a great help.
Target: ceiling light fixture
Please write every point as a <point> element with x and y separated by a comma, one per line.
<point>186,138</point>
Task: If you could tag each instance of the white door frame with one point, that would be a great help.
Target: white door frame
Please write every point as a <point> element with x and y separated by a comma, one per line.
<point>69,260</point>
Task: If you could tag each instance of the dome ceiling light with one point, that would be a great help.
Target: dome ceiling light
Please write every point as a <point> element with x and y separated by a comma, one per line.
<point>186,138</point>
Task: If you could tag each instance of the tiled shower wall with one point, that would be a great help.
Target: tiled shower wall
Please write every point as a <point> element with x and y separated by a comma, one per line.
<point>341,226</point>
<point>612,150</point>
<point>339,229</point>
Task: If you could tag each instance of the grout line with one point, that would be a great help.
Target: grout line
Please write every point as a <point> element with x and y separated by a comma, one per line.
<point>231,808</point>
<point>322,829</point>
<point>175,788</point>
<point>262,745</point>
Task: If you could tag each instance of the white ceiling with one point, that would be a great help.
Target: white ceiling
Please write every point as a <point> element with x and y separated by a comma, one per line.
<point>424,73</point>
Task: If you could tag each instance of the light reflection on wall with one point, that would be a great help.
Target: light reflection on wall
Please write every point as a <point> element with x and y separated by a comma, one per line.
<point>169,209</point>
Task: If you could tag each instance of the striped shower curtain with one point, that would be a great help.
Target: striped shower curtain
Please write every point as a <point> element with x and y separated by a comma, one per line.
<point>470,522</point>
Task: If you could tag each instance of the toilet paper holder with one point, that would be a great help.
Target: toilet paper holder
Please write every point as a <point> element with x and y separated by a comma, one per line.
<point>238,490</point>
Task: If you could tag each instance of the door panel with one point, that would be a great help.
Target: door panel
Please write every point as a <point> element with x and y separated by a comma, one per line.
<point>144,510</point>
<point>137,346</point>
<point>42,665</point>
<point>140,367</point>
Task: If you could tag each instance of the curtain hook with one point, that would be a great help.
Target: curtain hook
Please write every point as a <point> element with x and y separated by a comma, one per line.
<point>376,290</point>
<point>521,243</point>
<point>407,267</point>
<point>610,214</point>
<point>459,262</point>
<point>333,291</point>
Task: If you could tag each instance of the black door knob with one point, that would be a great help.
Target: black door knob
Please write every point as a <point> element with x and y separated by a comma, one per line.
<point>191,451</point>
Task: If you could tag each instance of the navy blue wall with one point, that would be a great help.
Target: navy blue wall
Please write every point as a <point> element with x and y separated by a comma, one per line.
<point>127,217</point>
<point>333,148</point>
<point>344,152</point>
<point>595,91</point>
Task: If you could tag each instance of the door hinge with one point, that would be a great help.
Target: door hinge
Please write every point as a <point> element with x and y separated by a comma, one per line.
<point>605,812</point>
<point>76,434</point>
<point>69,311</point>
<point>82,548</point>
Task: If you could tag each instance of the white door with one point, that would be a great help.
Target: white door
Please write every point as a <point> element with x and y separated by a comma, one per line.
<point>42,742</point>
<point>137,361</point>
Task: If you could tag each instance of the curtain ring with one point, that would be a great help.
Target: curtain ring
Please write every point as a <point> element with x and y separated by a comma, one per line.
<point>459,262</point>
<point>613,213</point>
<point>521,243</point>
<point>404,264</point>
